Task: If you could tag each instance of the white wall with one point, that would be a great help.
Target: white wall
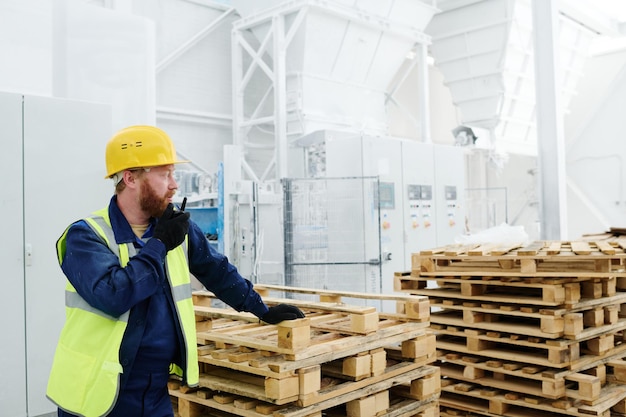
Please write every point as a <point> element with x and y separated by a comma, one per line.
<point>69,49</point>
<point>80,50</point>
<point>105,56</point>
<point>596,152</point>
<point>26,46</point>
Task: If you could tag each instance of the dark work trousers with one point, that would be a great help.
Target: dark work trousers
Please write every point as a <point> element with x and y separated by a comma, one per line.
<point>145,395</point>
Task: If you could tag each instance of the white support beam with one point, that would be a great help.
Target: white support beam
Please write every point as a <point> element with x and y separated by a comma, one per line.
<point>549,115</point>
<point>280,96</point>
<point>237,87</point>
<point>192,116</point>
<point>424,92</point>
<point>191,42</point>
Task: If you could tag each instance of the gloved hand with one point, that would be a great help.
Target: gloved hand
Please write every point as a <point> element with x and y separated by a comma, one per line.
<point>171,227</point>
<point>282,312</point>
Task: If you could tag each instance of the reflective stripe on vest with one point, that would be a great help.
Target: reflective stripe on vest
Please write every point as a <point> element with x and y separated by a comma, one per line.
<point>84,379</point>
<point>181,293</point>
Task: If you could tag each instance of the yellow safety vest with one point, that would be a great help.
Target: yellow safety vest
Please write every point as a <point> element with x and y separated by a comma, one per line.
<point>85,374</point>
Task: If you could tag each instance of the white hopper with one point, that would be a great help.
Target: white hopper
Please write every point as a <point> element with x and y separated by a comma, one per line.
<point>342,58</point>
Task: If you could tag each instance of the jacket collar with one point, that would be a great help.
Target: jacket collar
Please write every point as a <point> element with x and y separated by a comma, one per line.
<point>121,228</point>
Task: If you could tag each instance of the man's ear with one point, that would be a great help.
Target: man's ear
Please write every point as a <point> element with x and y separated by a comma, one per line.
<point>129,178</point>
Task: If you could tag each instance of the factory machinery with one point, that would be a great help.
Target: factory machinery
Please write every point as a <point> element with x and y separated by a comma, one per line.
<point>316,193</point>
<point>365,204</point>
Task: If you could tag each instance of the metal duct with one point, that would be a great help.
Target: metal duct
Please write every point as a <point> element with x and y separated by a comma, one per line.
<point>485,51</point>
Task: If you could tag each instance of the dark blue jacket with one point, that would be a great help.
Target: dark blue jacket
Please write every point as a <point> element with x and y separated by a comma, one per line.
<point>153,336</point>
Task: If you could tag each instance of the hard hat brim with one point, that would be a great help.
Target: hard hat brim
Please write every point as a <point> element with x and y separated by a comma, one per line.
<point>148,166</point>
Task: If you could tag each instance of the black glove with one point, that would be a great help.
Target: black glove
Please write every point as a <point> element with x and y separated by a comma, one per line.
<point>282,312</point>
<point>172,227</point>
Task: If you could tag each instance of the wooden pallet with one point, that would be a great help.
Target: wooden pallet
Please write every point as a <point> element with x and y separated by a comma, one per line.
<point>560,353</point>
<point>537,256</point>
<point>326,336</point>
<point>415,393</point>
<point>570,326</point>
<point>291,363</point>
<point>545,322</point>
<point>407,307</point>
<point>188,405</point>
<point>473,398</point>
<point>305,386</point>
<point>553,292</point>
<point>400,343</point>
<point>537,248</point>
<point>330,327</point>
<point>535,381</point>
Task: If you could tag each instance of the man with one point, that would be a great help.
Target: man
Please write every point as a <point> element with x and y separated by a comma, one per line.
<point>129,313</point>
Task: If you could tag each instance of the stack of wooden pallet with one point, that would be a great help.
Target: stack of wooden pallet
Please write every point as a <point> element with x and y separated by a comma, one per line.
<point>341,360</point>
<point>526,331</point>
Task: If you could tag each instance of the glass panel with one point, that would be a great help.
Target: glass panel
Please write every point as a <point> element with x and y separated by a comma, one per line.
<point>332,234</point>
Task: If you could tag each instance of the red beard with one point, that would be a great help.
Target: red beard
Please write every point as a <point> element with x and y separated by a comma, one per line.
<point>152,203</point>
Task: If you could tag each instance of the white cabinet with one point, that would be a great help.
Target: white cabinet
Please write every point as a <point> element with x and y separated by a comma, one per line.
<point>12,359</point>
<point>53,163</point>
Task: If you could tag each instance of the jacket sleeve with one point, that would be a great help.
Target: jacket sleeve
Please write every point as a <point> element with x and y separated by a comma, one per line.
<point>219,276</point>
<point>97,276</point>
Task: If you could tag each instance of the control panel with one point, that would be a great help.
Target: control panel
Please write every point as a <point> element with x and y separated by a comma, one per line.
<point>420,204</point>
<point>451,204</point>
<point>449,193</point>
<point>386,201</point>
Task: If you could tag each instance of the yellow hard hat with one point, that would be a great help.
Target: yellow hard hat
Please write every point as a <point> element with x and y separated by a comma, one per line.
<point>139,147</point>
